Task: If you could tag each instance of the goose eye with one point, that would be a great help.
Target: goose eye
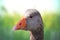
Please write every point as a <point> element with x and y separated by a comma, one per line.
<point>30,16</point>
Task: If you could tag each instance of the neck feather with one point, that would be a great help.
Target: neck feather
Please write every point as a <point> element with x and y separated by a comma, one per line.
<point>37,34</point>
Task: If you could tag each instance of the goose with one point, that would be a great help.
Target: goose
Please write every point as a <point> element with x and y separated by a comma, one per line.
<point>32,22</point>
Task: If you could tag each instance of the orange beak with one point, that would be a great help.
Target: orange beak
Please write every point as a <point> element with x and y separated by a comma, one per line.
<point>21,24</point>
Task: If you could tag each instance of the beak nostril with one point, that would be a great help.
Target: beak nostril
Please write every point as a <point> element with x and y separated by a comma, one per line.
<point>20,23</point>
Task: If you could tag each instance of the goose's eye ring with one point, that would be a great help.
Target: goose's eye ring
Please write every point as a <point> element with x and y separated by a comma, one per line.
<point>30,16</point>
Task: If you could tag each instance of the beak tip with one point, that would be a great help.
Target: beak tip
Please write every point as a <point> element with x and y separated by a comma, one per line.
<point>14,28</point>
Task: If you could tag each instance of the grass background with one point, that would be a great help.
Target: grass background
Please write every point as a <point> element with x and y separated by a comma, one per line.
<point>51,22</point>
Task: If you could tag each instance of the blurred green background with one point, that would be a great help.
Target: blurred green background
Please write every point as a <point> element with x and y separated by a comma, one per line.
<point>51,22</point>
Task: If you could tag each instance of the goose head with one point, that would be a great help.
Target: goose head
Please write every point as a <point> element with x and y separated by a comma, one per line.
<point>31,21</point>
